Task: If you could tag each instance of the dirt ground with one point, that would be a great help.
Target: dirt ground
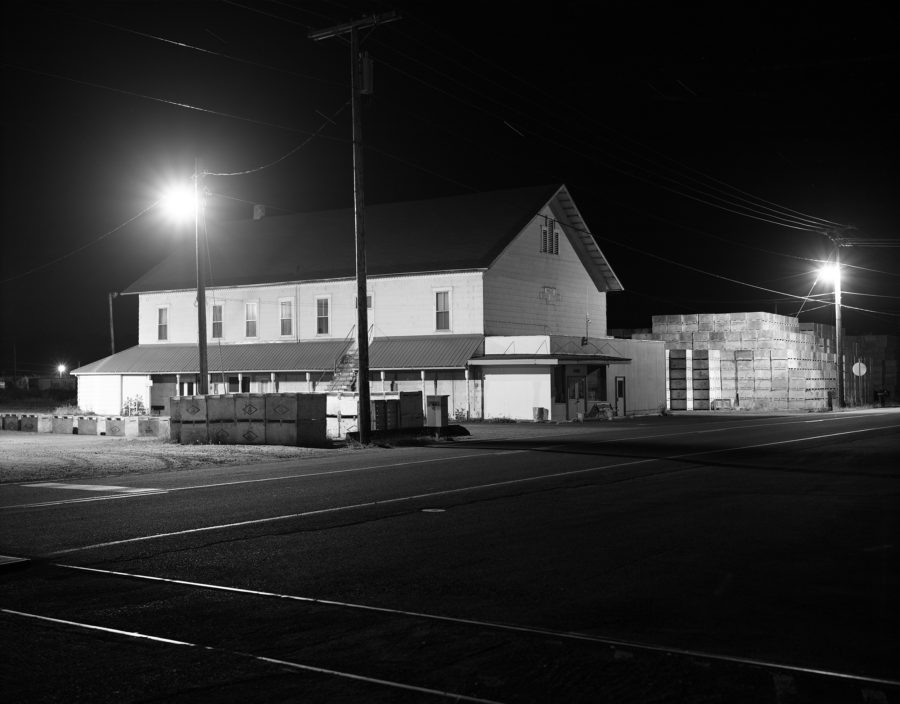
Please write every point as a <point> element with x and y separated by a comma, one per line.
<point>42,456</point>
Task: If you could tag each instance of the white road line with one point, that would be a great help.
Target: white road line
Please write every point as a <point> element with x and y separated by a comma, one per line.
<point>260,658</point>
<point>568,635</point>
<point>149,492</point>
<point>257,480</point>
<point>447,492</point>
<point>86,500</point>
<point>87,487</point>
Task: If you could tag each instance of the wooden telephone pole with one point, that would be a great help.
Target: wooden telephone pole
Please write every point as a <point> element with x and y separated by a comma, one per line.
<point>362,318</point>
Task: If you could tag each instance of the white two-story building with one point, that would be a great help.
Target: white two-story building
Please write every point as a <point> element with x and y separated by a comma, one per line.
<point>496,300</point>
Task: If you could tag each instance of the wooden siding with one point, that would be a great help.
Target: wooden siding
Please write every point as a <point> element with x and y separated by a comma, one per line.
<point>402,306</point>
<point>515,298</point>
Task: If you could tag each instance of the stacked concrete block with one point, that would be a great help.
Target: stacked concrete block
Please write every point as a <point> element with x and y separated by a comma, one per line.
<point>750,357</point>
<point>87,425</point>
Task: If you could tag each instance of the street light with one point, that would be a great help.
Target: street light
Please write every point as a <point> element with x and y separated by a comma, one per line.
<point>61,369</point>
<point>832,273</point>
<point>182,202</point>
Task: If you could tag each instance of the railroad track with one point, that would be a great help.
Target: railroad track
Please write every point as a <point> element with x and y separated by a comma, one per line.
<point>248,644</point>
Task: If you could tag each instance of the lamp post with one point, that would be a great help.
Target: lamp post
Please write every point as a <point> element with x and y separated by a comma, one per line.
<point>833,272</point>
<point>61,370</point>
<point>203,387</point>
<point>179,202</point>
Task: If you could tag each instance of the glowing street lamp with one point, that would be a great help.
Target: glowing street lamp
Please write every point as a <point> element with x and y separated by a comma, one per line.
<point>182,203</point>
<point>61,369</point>
<point>832,273</point>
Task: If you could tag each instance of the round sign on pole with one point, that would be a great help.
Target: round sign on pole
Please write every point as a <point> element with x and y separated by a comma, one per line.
<point>859,369</point>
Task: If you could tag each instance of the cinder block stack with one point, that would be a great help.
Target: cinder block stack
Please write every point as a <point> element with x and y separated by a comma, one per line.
<point>747,357</point>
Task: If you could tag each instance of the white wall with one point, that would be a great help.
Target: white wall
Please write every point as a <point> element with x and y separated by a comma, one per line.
<point>645,376</point>
<point>402,305</point>
<point>514,392</point>
<point>517,344</point>
<point>513,286</point>
<point>136,386</point>
<point>100,394</point>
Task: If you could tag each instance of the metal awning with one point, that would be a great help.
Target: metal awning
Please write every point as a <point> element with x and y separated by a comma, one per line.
<point>423,351</point>
<point>311,356</point>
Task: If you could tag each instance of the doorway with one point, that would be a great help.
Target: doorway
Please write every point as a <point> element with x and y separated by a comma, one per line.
<point>575,396</point>
<point>620,396</point>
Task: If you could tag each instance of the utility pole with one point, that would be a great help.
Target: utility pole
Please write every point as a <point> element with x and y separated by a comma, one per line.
<point>362,318</point>
<point>203,381</point>
<point>838,347</point>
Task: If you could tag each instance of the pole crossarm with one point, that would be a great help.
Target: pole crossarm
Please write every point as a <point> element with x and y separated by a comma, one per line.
<point>362,23</point>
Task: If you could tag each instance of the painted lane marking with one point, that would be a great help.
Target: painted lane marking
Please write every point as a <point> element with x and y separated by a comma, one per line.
<point>87,487</point>
<point>119,492</point>
<point>448,492</point>
<point>569,635</point>
<point>258,480</point>
<point>86,500</point>
<point>403,464</point>
<point>260,658</point>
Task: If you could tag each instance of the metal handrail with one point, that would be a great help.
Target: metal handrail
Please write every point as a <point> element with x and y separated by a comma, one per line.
<point>348,340</point>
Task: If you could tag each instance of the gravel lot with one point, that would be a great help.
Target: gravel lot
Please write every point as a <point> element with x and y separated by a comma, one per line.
<point>41,456</point>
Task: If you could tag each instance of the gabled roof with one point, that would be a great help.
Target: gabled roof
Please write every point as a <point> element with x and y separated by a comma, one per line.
<point>441,234</point>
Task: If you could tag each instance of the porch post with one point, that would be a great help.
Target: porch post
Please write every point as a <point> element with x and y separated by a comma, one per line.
<point>424,394</point>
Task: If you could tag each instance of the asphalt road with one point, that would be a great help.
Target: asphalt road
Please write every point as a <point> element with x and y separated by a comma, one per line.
<point>698,558</point>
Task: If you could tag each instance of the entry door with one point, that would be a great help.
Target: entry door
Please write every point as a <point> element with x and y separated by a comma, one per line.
<point>575,392</point>
<point>620,395</point>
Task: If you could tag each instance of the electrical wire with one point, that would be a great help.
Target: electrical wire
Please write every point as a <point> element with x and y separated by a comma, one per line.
<point>819,222</point>
<point>293,151</point>
<point>708,273</point>
<point>791,220</point>
<point>170,102</point>
<point>81,248</point>
<point>184,45</point>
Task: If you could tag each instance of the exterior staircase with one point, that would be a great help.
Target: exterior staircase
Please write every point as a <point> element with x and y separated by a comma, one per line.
<point>346,371</point>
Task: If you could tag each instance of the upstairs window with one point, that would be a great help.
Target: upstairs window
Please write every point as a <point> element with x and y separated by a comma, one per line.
<point>549,237</point>
<point>322,316</point>
<point>217,321</point>
<point>442,310</point>
<point>286,314</point>
<point>162,323</point>
<point>251,317</point>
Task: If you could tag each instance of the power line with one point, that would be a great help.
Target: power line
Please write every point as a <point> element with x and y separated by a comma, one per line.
<point>293,151</point>
<point>201,50</point>
<point>174,103</point>
<point>793,216</point>
<point>81,248</point>
<point>709,273</point>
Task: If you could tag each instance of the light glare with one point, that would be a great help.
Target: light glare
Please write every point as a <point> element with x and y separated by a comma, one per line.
<point>830,273</point>
<point>179,203</point>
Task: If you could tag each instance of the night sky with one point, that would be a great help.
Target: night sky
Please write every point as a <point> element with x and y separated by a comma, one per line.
<point>706,145</point>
